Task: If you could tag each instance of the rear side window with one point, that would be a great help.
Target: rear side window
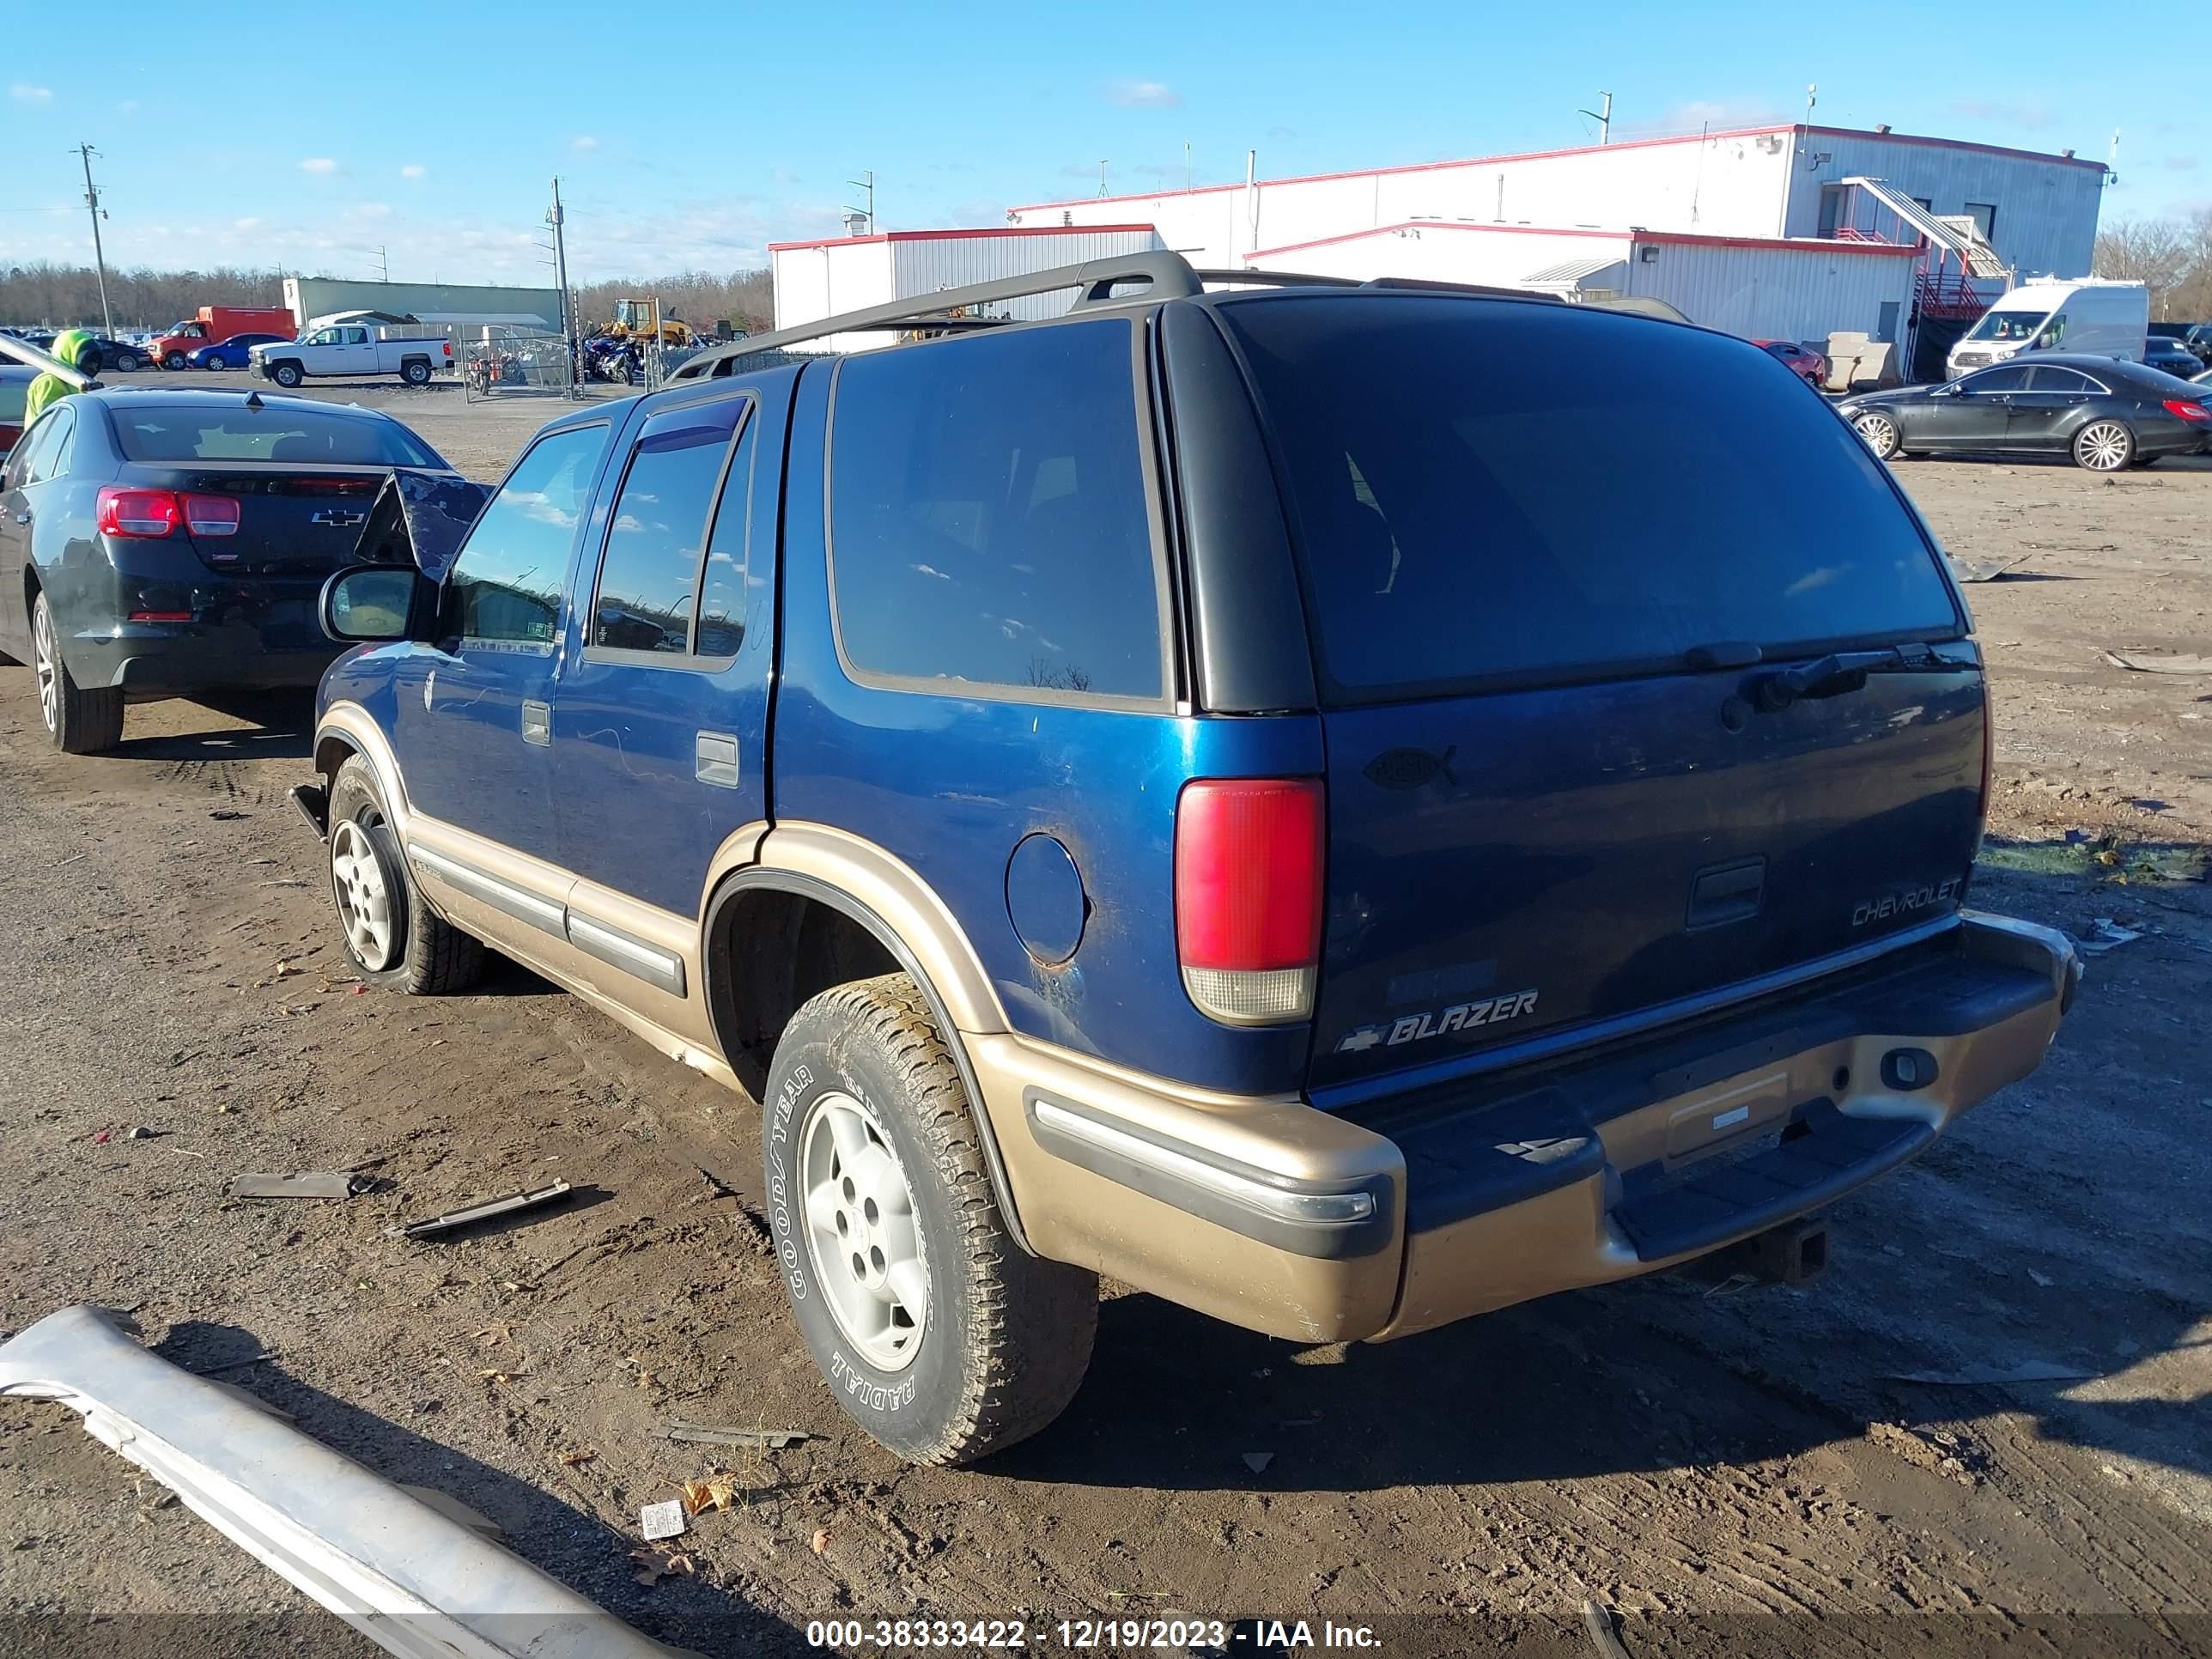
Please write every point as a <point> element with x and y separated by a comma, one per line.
<point>649,577</point>
<point>505,587</point>
<point>281,432</point>
<point>1473,503</point>
<point>989,515</point>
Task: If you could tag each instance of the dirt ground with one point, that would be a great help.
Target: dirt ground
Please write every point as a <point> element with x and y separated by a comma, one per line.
<point>1730,1470</point>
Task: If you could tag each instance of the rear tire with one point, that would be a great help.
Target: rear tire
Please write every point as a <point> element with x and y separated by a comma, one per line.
<point>78,721</point>
<point>287,375</point>
<point>936,1333</point>
<point>414,372</point>
<point>2104,446</point>
<point>126,363</point>
<point>214,362</point>
<point>411,948</point>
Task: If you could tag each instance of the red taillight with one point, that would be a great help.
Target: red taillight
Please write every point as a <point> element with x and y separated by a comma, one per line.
<point>121,512</point>
<point>2181,408</point>
<point>211,515</point>
<point>1248,857</point>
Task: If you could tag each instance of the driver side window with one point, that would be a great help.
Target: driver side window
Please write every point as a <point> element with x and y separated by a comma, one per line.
<point>506,585</point>
<point>2008,378</point>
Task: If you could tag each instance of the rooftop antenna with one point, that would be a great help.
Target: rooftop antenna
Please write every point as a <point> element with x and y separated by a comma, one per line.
<point>1812,97</point>
<point>1186,164</point>
<point>1603,116</point>
<point>1101,178</point>
<point>2112,160</point>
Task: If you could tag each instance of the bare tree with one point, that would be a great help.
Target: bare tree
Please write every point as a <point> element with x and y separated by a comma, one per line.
<point>2162,254</point>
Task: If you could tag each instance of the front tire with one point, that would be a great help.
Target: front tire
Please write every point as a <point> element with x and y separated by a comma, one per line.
<point>936,1333</point>
<point>287,375</point>
<point>2104,446</point>
<point>174,360</point>
<point>79,720</point>
<point>126,363</point>
<point>1880,433</point>
<point>393,938</point>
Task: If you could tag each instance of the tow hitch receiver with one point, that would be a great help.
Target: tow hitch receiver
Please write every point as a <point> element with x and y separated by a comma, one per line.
<point>1791,1253</point>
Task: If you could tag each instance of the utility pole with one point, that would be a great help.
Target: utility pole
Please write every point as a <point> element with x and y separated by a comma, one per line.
<point>1603,116</point>
<point>383,264</point>
<point>2112,160</point>
<point>1812,97</point>
<point>866,183</point>
<point>99,255</point>
<point>555,218</point>
<point>1101,178</point>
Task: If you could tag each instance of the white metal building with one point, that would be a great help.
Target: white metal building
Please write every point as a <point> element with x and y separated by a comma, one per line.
<point>2040,212</point>
<point>1760,288</point>
<point>818,279</point>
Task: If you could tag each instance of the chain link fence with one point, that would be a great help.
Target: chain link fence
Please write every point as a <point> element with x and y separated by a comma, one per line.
<point>508,363</point>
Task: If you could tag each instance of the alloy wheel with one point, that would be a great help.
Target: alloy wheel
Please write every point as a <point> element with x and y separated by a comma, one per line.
<point>862,1235</point>
<point>364,898</point>
<point>1879,433</point>
<point>2104,446</point>
<point>47,662</point>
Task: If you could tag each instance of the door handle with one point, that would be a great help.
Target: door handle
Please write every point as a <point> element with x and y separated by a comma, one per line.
<point>714,759</point>
<point>537,723</point>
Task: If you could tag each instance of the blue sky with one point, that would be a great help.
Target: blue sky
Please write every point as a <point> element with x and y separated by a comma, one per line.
<point>310,157</point>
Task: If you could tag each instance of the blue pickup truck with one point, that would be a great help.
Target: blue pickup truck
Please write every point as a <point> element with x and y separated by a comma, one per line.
<point>1284,797</point>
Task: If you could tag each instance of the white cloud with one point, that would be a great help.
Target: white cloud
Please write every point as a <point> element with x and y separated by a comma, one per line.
<point>248,224</point>
<point>24,93</point>
<point>1144,95</point>
<point>413,170</point>
<point>584,141</point>
<point>319,164</point>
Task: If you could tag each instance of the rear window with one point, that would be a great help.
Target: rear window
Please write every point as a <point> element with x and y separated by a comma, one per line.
<point>989,515</point>
<point>175,433</point>
<point>1485,492</point>
<point>13,391</point>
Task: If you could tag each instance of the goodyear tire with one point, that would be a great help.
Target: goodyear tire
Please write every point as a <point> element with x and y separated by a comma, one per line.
<point>393,938</point>
<point>287,375</point>
<point>79,719</point>
<point>415,371</point>
<point>938,1335</point>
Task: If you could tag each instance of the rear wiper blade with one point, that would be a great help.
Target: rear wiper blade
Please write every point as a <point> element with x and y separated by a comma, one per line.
<point>1841,671</point>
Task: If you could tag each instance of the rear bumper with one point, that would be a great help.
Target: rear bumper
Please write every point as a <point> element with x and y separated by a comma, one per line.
<point>262,637</point>
<point>1277,1217</point>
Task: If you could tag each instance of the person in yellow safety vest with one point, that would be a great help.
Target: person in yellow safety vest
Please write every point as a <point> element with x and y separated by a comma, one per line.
<point>50,387</point>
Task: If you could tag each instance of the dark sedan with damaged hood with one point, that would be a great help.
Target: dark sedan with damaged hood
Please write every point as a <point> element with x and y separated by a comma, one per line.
<point>161,544</point>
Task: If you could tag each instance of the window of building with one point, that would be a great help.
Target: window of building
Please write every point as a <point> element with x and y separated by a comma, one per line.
<point>1984,215</point>
<point>506,582</point>
<point>1833,213</point>
<point>989,515</point>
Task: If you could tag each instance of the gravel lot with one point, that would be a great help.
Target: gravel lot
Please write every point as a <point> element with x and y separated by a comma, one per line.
<point>1732,1473</point>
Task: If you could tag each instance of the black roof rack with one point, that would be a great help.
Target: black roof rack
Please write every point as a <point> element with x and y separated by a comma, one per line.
<point>1099,284</point>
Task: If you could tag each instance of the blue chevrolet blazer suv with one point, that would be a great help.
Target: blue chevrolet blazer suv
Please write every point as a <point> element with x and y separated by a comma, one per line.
<point>1284,797</point>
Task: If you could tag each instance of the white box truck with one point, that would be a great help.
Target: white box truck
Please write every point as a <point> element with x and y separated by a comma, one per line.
<point>2088,316</point>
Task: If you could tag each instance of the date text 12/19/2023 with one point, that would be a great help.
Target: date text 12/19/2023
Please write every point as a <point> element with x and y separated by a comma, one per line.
<point>1181,1633</point>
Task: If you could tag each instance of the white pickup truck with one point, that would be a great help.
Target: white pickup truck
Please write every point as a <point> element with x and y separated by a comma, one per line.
<point>352,351</point>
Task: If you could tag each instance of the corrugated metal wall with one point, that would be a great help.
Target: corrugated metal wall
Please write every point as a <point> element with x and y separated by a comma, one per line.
<point>2046,218</point>
<point>924,266</point>
<point>1775,294</point>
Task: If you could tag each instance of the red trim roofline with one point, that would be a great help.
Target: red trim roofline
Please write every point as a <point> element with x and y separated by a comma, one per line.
<point>1666,238</point>
<point>1581,150</point>
<point>958,235</point>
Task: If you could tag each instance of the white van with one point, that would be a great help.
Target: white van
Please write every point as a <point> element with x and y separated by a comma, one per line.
<point>2093,317</point>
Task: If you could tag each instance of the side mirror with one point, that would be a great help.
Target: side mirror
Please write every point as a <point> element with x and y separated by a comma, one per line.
<point>376,603</point>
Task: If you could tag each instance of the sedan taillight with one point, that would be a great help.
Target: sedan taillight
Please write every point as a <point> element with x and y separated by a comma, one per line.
<point>2182,409</point>
<point>140,512</point>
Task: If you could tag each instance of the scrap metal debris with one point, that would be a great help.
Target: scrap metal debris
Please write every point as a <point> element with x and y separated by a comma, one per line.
<point>711,1434</point>
<point>2109,937</point>
<point>341,1184</point>
<point>1599,1623</point>
<point>2148,665</point>
<point>1983,571</point>
<point>484,1211</point>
